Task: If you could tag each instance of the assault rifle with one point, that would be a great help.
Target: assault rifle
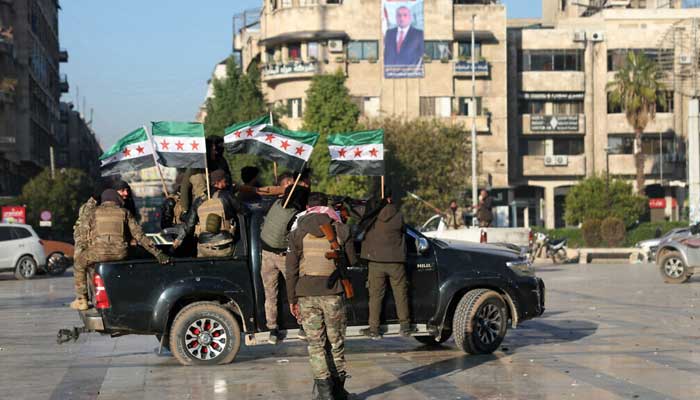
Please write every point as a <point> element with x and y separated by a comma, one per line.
<point>339,257</point>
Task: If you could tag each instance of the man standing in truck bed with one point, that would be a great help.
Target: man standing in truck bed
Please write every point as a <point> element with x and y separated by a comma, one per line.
<point>318,299</point>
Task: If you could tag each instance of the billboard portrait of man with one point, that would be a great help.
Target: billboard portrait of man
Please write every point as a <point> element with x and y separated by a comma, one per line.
<point>403,39</point>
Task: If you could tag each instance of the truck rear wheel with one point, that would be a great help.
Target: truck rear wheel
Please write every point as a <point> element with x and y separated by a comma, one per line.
<point>205,334</point>
<point>480,322</point>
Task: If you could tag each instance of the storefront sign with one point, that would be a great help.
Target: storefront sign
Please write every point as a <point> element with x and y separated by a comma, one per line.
<point>14,215</point>
<point>554,123</point>
<point>480,67</point>
<point>660,203</point>
<point>551,95</point>
<point>293,68</point>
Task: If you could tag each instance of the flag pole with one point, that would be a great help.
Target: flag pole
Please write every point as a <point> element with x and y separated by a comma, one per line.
<point>274,163</point>
<point>155,160</point>
<point>295,185</point>
<point>206,174</point>
<point>382,186</point>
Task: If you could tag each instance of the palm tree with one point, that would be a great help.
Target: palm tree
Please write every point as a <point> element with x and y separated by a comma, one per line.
<point>637,88</point>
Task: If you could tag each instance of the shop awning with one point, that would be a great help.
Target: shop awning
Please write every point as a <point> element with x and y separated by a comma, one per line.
<point>303,36</point>
<point>479,36</point>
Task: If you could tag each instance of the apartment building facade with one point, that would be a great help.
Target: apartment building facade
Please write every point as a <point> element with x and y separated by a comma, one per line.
<point>30,88</point>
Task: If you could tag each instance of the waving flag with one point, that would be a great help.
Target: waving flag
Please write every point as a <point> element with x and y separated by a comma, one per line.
<point>244,129</point>
<point>289,148</point>
<point>132,152</point>
<point>180,144</point>
<point>357,153</point>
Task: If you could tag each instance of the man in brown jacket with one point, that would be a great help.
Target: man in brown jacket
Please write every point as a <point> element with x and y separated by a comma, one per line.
<point>384,246</point>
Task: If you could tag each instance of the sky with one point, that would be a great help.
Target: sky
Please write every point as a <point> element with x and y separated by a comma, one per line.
<point>138,61</point>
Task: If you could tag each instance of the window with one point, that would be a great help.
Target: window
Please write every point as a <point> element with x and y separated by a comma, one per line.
<point>567,108</point>
<point>313,51</point>
<point>286,3</point>
<point>20,233</point>
<point>613,108</point>
<point>270,51</point>
<point>465,50</point>
<point>651,144</point>
<point>294,51</point>
<point>308,2</point>
<point>435,106</point>
<point>533,147</point>
<point>363,50</point>
<point>664,102</point>
<point>531,107</point>
<point>621,144</point>
<point>438,50</point>
<point>551,60</point>
<point>618,57</point>
<point>467,107</point>
<point>294,108</point>
<point>568,146</point>
<point>5,234</point>
<point>368,106</point>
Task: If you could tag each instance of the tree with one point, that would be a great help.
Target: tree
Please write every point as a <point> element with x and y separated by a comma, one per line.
<point>63,196</point>
<point>329,109</point>
<point>590,199</point>
<point>637,89</point>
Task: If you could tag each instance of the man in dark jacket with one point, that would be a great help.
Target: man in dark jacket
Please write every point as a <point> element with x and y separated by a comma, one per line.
<point>484,212</point>
<point>403,45</point>
<point>384,246</point>
<point>316,298</point>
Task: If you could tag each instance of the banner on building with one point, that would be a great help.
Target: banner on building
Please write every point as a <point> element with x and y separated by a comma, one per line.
<point>554,123</point>
<point>14,215</point>
<point>402,25</point>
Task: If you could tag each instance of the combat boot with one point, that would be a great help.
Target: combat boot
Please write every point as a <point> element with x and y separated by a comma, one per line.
<point>80,304</point>
<point>323,389</point>
<point>339,392</point>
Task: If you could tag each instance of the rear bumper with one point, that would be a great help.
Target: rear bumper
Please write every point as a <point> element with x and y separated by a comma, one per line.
<point>92,320</point>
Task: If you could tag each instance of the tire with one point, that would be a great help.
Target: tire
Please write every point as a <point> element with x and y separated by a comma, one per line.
<point>673,268</point>
<point>480,322</point>
<point>166,341</point>
<point>56,264</point>
<point>26,268</point>
<point>205,322</point>
<point>560,256</point>
<point>432,340</point>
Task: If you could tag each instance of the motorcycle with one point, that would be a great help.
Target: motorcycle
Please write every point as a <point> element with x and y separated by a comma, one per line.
<point>552,248</point>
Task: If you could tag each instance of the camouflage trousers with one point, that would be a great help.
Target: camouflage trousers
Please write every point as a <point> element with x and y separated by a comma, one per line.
<point>83,259</point>
<point>205,250</point>
<point>323,317</point>
<point>272,265</point>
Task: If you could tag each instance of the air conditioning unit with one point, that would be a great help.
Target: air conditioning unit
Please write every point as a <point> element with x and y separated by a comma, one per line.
<point>335,46</point>
<point>686,59</point>
<point>549,161</point>
<point>554,161</point>
<point>579,36</point>
<point>597,36</point>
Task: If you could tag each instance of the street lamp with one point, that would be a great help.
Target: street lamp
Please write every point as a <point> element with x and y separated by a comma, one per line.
<point>473,109</point>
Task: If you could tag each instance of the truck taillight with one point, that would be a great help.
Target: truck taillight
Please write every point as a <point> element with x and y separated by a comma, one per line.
<point>484,237</point>
<point>101,299</point>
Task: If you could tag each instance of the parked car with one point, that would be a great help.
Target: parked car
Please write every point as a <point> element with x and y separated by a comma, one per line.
<point>21,250</point>
<point>649,247</point>
<point>435,228</point>
<point>678,258</point>
<point>199,307</point>
<point>59,256</point>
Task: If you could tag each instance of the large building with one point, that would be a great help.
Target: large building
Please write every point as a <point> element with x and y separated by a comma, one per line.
<point>30,89</point>
<point>541,108</point>
<point>76,145</point>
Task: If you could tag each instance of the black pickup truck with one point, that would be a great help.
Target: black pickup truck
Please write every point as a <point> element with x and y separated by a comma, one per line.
<point>202,308</point>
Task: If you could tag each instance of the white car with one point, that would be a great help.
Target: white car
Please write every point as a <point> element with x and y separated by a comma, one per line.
<point>21,250</point>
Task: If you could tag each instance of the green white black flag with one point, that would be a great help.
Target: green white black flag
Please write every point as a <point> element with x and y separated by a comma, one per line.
<point>180,144</point>
<point>132,152</point>
<point>357,153</point>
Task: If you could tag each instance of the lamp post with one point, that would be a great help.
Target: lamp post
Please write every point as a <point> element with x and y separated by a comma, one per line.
<point>473,112</point>
<point>607,174</point>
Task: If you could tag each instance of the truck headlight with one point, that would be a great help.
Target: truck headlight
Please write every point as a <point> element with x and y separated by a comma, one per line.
<point>521,267</point>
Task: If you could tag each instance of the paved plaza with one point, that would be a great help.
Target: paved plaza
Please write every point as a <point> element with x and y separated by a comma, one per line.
<point>609,332</point>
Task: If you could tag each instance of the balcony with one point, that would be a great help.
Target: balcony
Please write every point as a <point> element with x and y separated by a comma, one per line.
<point>554,165</point>
<point>623,164</point>
<point>553,124</point>
<point>464,69</point>
<point>482,122</point>
<point>293,70</point>
<point>63,84</point>
<point>552,81</point>
<point>617,123</point>
<point>63,56</point>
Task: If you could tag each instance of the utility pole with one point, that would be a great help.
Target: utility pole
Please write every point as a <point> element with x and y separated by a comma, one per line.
<point>473,112</point>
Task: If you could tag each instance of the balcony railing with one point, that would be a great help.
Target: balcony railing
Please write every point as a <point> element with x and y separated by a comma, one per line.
<point>63,84</point>
<point>63,55</point>
<point>464,68</point>
<point>290,70</point>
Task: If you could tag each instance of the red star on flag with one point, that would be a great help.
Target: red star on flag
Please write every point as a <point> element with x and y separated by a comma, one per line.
<point>126,152</point>
<point>249,132</point>
<point>164,145</point>
<point>300,150</point>
<point>195,145</point>
<point>341,153</point>
<point>139,149</point>
<point>373,152</point>
<point>358,152</point>
<point>269,137</point>
<point>238,134</point>
<point>284,145</point>
<point>179,145</point>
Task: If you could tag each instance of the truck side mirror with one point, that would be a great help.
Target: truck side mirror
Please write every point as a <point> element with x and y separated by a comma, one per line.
<point>423,246</point>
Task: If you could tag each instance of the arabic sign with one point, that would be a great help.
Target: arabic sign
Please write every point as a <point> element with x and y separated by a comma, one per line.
<point>466,66</point>
<point>292,68</point>
<point>551,95</point>
<point>14,215</point>
<point>554,123</point>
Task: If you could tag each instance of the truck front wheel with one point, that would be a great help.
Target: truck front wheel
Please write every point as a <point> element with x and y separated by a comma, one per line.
<point>205,334</point>
<point>480,321</point>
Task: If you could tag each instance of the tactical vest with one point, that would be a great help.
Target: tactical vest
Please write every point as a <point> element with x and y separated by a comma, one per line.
<point>313,260</point>
<point>107,238</point>
<point>212,206</point>
<point>274,230</point>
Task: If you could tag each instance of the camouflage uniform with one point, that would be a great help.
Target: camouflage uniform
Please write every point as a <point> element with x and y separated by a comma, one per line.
<point>272,265</point>
<point>323,317</point>
<point>80,237</point>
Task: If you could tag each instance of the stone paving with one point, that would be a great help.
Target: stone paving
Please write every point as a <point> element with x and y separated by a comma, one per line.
<point>610,332</point>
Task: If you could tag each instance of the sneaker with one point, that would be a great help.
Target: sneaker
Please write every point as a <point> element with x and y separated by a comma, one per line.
<point>406,329</point>
<point>370,333</point>
<point>301,334</point>
<point>274,336</point>
<point>79,304</point>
